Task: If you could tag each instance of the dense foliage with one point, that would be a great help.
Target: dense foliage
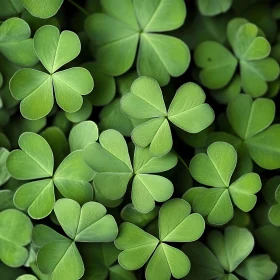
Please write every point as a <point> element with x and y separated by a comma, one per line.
<point>139,139</point>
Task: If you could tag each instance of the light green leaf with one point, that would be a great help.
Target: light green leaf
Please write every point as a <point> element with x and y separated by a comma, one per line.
<point>83,134</point>
<point>111,161</point>
<point>42,9</point>
<point>72,178</point>
<point>27,277</point>
<point>15,233</point>
<point>232,247</point>
<point>54,49</point>
<point>37,197</point>
<point>259,267</point>
<point>145,100</point>
<point>213,8</point>
<point>176,224</point>
<point>188,110</point>
<point>243,190</point>
<point>169,55</point>
<point>214,169</point>
<point>171,261</point>
<point>70,85</point>
<point>274,214</point>
<point>218,64</point>
<point>248,117</point>
<point>33,161</point>
<point>61,259</point>
<point>146,189</point>
<point>4,175</point>
<point>137,244</point>
<point>87,224</point>
<point>32,86</point>
<point>264,148</point>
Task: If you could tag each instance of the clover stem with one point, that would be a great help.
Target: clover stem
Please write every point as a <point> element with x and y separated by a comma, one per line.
<point>181,159</point>
<point>84,11</point>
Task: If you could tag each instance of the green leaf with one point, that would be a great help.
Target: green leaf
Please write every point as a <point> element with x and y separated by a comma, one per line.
<point>215,203</point>
<point>14,236</point>
<point>188,110</point>
<point>110,159</point>
<point>54,49</point>
<point>248,117</point>
<point>214,169</point>
<point>4,175</point>
<point>87,224</point>
<point>33,161</point>
<point>131,215</point>
<point>176,224</point>
<point>258,267</point>
<point>171,261</point>
<point>146,189</point>
<point>11,8</point>
<point>243,190</point>
<point>145,100</point>
<point>37,197</point>
<point>104,85</point>
<point>27,277</point>
<point>274,214</point>
<point>210,8</point>
<point>137,244</point>
<point>204,264</point>
<point>218,64</point>
<point>119,273</point>
<point>72,178</point>
<point>83,134</point>
<point>15,43</point>
<point>69,86</point>
<point>31,86</point>
<point>61,259</point>
<point>169,55</point>
<point>232,247</point>
<point>264,148</point>
<point>44,9</point>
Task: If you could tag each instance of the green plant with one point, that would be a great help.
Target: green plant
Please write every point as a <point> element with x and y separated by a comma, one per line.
<point>139,139</point>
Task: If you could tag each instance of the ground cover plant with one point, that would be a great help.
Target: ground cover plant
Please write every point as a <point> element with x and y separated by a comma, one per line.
<point>139,139</point>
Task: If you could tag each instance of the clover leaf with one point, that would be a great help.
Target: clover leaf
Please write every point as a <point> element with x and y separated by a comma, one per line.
<point>42,9</point>
<point>215,169</point>
<point>222,256</point>
<point>213,8</point>
<point>176,224</point>
<point>54,50</point>
<point>10,9</point>
<point>4,175</point>
<point>255,138</point>
<point>111,160</point>
<point>15,42</point>
<point>159,56</point>
<point>35,162</point>
<point>12,240</point>
<point>88,223</point>
<point>186,111</point>
<point>251,53</point>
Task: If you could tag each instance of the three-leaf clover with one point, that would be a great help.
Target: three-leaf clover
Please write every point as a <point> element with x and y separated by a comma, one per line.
<point>176,224</point>
<point>215,169</point>
<point>187,111</point>
<point>15,233</point>
<point>116,38</point>
<point>58,255</point>
<point>35,88</point>
<point>35,162</point>
<point>255,137</point>
<point>111,161</point>
<point>15,42</point>
<point>251,53</point>
<point>226,255</point>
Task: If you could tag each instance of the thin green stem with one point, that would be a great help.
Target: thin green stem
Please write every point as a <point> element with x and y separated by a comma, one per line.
<point>84,11</point>
<point>181,159</point>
